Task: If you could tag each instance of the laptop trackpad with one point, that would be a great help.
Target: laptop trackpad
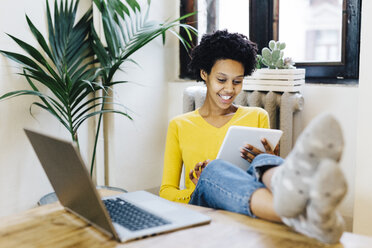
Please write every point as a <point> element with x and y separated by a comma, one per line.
<point>150,202</point>
<point>159,206</point>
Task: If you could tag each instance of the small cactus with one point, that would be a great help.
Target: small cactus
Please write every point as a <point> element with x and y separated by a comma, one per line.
<point>272,57</point>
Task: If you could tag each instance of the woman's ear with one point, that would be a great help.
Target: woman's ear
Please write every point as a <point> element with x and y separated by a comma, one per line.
<point>203,75</point>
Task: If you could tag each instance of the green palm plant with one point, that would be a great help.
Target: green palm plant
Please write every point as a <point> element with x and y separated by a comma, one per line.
<point>126,29</point>
<point>67,69</point>
<point>64,69</point>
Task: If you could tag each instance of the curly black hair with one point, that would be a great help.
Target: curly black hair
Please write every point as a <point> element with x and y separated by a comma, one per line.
<point>222,45</point>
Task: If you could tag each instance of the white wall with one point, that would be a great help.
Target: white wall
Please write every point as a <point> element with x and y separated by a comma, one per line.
<point>342,102</point>
<point>136,147</point>
<point>22,180</point>
<point>363,183</point>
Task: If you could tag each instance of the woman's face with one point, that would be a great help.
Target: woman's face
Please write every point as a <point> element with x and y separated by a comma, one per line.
<point>224,82</point>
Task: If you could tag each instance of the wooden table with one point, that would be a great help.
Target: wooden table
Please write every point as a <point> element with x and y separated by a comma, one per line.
<point>52,226</point>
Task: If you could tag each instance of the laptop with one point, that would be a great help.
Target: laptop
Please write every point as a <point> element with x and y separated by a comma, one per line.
<point>237,136</point>
<point>124,217</point>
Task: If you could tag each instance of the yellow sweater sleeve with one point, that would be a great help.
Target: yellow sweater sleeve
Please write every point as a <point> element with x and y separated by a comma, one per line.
<point>173,168</point>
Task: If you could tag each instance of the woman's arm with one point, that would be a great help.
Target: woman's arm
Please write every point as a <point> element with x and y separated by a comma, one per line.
<point>263,119</point>
<point>173,168</point>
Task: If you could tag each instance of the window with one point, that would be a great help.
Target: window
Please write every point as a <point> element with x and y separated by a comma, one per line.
<point>223,11</point>
<point>322,35</point>
<point>318,25</point>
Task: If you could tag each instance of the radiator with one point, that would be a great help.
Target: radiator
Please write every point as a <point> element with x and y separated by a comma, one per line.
<point>284,110</point>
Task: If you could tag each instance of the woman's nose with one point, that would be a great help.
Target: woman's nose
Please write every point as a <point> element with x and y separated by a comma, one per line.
<point>229,87</point>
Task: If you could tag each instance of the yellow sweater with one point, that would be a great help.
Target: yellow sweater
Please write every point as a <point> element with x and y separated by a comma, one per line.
<point>191,139</point>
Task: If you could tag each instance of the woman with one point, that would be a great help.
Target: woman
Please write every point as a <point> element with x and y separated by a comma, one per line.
<point>222,60</point>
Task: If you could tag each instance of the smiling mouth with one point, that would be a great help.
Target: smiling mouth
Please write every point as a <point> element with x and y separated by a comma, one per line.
<point>225,97</point>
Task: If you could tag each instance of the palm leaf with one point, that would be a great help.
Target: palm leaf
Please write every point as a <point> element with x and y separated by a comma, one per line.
<point>66,66</point>
<point>48,109</point>
<point>85,104</point>
<point>91,106</point>
<point>17,93</point>
<point>131,42</point>
<point>21,59</point>
<point>113,111</point>
<point>48,101</point>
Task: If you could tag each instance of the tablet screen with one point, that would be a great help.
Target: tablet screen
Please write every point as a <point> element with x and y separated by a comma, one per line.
<point>237,136</point>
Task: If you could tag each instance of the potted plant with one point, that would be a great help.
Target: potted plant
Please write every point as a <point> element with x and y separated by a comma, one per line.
<point>273,69</point>
<point>62,77</point>
<point>74,73</point>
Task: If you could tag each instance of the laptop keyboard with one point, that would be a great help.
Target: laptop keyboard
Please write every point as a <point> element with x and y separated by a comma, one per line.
<point>131,216</point>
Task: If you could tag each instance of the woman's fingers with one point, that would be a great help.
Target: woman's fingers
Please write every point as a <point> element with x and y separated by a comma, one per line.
<point>198,169</point>
<point>253,149</point>
<point>197,173</point>
<point>244,156</point>
<point>192,177</point>
<point>249,152</point>
<point>198,166</point>
<point>204,164</point>
<point>191,174</point>
<point>267,146</point>
<point>276,150</point>
<point>247,155</point>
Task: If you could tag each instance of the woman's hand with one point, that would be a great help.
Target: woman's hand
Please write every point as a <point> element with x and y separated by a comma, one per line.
<point>249,152</point>
<point>199,167</point>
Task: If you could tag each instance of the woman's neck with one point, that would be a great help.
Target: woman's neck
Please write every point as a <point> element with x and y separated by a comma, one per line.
<point>217,117</point>
<point>209,110</point>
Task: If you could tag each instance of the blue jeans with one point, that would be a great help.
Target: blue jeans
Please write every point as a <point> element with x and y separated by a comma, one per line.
<point>223,185</point>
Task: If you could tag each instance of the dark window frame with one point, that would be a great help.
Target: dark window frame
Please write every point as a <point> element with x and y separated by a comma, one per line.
<point>263,26</point>
<point>187,6</point>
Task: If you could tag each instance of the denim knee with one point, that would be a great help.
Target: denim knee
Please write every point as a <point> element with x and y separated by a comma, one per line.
<point>261,163</point>
<point>223,185</point>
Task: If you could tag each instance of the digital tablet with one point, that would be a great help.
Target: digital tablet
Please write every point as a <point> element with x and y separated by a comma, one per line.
<point>237,136</point>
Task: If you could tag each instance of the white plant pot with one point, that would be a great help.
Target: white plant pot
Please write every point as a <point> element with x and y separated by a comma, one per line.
<point>275,79</point>
<point>277,76</point>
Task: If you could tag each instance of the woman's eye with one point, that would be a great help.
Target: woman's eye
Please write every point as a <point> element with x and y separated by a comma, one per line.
<point>237,81</point>
<point>221,80</point>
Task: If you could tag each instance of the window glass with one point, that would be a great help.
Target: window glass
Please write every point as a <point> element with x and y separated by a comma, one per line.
<point>232,15</point>
<point>312,30</point>
<point>202,18</point>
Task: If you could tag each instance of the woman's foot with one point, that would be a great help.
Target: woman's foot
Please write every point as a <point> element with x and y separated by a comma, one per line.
<point>309,185</point>
<point>321,220</point>
<point>322,139</point>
